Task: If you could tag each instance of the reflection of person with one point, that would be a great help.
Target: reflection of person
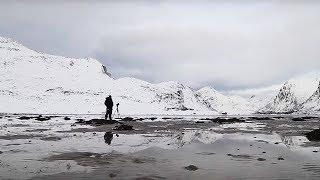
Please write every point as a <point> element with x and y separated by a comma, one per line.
<point>109,104</point>
<point>108,136</point>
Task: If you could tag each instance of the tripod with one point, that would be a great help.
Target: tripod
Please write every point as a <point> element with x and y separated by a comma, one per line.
<point>116,112</point>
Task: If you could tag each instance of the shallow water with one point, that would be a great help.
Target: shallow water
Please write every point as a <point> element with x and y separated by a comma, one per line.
<point>272,149</point>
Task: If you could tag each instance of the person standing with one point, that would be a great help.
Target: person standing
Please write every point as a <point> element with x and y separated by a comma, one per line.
<point>109,104</point>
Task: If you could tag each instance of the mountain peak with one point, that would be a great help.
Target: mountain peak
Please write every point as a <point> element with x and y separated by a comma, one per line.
<point>207,89</point>
<point>13,47</point>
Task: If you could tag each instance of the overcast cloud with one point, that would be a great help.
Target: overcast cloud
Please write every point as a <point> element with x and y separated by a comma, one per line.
<point>226,44</point>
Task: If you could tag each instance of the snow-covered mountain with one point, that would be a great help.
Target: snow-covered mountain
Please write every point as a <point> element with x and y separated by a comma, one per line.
<point>33,82</point>
<point>295,95</point>
<point>312,104</point>
<point>260,97</point>
<point>215,100</point>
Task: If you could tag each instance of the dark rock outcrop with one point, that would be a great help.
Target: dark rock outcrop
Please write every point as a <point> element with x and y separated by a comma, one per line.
<point>313,135</point>
<point>25,118</point>
<point>261,118</point>
<point>223,120</point>
<point>42,118</point>
<point>128,119</point>
<point>98,122</point>
<point>199,122</point>
<point>123,127</point>
<point>298,119</point>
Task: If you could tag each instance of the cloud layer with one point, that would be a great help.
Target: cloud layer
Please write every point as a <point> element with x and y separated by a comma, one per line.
<point>225,44</point>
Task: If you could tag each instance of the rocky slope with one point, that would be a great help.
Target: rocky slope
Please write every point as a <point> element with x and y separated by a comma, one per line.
<point>312,104</point>
<point>294,95</point>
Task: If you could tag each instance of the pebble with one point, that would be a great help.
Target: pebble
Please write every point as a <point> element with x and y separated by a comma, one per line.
<point>261,159</point>
<point>191,168</point>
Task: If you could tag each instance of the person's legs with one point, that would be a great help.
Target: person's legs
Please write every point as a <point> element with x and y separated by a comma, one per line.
<point>110,114</point>
<point>106,115</point>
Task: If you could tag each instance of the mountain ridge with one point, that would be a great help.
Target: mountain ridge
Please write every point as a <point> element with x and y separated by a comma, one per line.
<point>34,82</point>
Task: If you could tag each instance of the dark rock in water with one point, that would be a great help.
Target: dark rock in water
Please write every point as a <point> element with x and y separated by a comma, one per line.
<point>42,118</point>
<point>1,152</point>
<point>172,118</point>
<point>280,158</point>
<point>153,118</point>
<point>128,119</point>
<point>261,159</point>
<point>240,156</point>
<point>25,118</point>
<point>53,116</point>
<point>191,168</point>
<point>123,127</point>
<point>166,118</point>
<point>313,135</point>
<point>139,119</point>
<point>224,120</point>
<point>298,119</point>
<point>309,117</point>
<point>112,175</point>
<point>108,136</point>
<point>315,151</point>
<point>53,138</point>
<point>138,161</point>
<point>199,122</point>
<point>261,118</point>
<point>278,117</point>
<point>98,122</point>
<point>66,118</point>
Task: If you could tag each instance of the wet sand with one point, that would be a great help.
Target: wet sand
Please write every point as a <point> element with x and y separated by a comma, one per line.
<point>163,148</point>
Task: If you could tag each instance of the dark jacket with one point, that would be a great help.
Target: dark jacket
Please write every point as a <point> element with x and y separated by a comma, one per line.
<point>109,103</point>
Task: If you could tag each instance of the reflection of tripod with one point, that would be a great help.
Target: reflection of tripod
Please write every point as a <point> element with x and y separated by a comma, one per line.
<point>117,113</point>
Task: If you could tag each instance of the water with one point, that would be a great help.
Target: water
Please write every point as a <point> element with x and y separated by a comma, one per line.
<point>272,149</point>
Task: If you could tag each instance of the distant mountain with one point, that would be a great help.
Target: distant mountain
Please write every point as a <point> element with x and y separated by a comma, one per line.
<point>215,100</point>
<point>260,97</point>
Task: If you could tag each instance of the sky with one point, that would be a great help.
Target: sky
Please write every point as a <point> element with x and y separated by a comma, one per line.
<point>226,44</point>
